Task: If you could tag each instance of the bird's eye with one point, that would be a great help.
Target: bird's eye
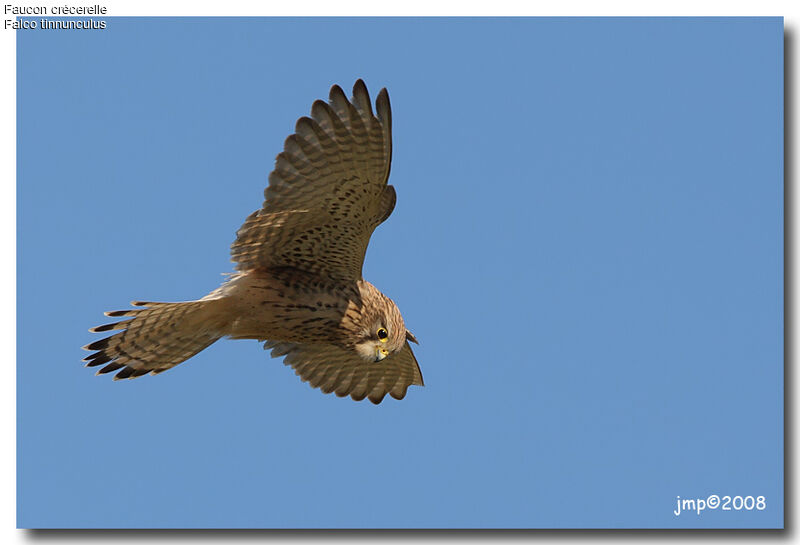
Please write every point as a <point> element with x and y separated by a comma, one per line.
<point>383,335</point>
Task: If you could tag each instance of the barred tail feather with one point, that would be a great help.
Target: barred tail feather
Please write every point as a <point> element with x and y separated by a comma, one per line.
<point>155,338</point>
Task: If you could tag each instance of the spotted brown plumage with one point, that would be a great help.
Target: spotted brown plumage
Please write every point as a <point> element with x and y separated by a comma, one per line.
<point>298,285</point>
<point>328,191</point>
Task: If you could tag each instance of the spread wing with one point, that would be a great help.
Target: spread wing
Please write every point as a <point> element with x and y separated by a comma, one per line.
<point>333,369</point>
<point>328,191</point>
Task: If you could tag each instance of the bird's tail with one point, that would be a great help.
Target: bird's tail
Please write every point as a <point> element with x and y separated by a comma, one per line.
<point>156,337</point>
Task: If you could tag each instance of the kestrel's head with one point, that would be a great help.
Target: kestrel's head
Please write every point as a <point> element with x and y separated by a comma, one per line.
<point>379,327</point>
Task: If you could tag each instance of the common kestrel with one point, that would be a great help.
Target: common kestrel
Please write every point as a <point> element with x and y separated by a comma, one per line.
<point>298,284</point>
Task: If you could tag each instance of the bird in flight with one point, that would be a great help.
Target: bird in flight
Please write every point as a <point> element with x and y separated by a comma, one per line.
<point>298,285</point>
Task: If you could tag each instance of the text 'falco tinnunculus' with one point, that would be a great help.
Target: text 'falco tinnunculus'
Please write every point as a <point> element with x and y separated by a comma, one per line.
<point>299,258</point>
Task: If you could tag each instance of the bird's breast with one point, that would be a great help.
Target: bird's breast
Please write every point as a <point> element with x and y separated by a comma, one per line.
<point>288,305</point>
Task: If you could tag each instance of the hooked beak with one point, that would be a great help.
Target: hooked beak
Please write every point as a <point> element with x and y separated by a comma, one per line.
<point>380,353</point>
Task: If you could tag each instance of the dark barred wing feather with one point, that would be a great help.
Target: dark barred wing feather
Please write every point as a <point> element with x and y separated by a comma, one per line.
<point>332,369</point>
<point>327,192</point>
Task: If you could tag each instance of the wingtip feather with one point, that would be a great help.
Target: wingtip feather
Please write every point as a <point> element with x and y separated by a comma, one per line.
<point>361,97</point>
<point>384,107</point>
<point>336,93</point>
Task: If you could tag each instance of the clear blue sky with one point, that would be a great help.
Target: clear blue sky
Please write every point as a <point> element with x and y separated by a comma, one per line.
<point>587,243</point>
